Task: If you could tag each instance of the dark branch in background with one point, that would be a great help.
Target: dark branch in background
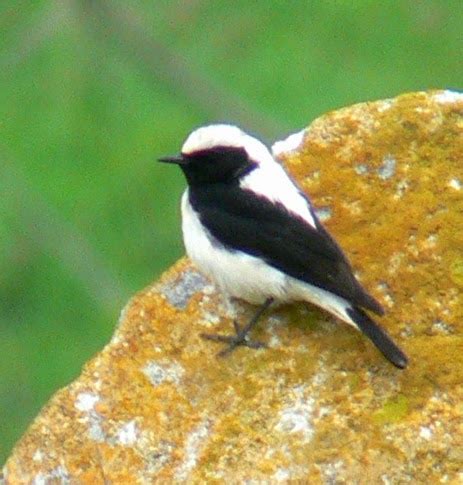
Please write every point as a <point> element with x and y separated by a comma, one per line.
<point>122,27</point>
<point>33,216</point>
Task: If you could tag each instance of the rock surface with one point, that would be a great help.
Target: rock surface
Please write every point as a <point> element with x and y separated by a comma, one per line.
<point>321,404</point>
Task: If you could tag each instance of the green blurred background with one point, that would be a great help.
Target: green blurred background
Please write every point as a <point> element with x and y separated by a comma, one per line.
<point>92,92</point>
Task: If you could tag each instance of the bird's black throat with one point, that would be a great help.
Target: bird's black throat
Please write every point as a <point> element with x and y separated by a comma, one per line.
<point>220,164</point>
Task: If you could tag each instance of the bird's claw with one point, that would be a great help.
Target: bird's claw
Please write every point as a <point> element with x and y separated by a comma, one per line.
<point>233,341</point>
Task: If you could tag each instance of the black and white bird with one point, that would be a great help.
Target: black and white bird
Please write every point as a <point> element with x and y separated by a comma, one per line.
<point>249,228</point>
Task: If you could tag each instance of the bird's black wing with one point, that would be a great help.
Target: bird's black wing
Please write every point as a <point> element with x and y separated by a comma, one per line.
<point>241,220</point>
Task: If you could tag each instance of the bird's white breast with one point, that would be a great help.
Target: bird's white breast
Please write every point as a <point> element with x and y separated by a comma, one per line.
<point>236,273</point>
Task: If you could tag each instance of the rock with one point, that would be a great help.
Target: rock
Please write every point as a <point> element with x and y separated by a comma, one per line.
<point>321,404</point>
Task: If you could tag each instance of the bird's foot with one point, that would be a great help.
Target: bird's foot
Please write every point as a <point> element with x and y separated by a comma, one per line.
<point>241,338</point>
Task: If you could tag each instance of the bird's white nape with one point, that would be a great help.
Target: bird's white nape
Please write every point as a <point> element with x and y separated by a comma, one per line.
<point>272,182</point>
<point>221,135</point>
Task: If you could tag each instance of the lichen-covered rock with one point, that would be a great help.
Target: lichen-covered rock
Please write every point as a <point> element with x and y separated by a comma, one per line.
<point>321,404</point>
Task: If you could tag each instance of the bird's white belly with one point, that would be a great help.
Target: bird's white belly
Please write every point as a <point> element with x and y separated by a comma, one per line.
<point>236,273</point>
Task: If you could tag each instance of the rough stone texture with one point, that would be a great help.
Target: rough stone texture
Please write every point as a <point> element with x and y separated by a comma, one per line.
<point>321,404</point>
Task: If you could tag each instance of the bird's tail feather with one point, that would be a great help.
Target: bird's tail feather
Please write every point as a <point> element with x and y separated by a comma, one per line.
<point>378,336</point>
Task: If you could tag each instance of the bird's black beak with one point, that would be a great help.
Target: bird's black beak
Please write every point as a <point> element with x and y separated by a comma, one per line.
<point>177,159</point>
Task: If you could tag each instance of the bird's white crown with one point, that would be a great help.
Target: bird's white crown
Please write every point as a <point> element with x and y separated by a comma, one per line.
<point>208,137</point>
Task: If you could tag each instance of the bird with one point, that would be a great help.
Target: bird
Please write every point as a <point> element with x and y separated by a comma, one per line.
<point>248,227</point>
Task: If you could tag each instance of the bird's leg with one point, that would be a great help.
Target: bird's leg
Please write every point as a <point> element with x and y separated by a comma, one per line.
<point>241,337</point>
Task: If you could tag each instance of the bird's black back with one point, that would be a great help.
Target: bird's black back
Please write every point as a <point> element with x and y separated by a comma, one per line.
<point>242,220</point>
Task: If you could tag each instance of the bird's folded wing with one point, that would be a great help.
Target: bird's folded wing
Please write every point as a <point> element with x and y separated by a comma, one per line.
<point>244,221</point>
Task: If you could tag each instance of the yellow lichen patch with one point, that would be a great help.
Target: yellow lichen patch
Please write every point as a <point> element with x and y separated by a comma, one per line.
<point>392,410</point>
<point>320,405</point>
<point>456,271</point>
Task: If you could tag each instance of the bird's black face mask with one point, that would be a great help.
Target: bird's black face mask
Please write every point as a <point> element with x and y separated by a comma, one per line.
<point>216,165</point>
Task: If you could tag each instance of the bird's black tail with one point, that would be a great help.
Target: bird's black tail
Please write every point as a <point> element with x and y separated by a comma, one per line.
<point>379,337</point>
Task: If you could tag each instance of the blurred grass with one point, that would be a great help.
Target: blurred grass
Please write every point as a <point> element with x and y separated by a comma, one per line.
<point>92,92</point>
